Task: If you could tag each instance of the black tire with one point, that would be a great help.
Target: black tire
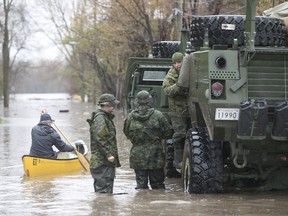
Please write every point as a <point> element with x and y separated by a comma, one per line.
<point>202,164</point>
<point>269,31</point>
<point>165,49</point>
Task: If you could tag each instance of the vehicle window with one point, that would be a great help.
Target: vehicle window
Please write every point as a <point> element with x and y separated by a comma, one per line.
<point>150,75</point>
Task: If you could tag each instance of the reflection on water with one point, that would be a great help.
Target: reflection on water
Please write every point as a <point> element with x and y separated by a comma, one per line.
<point>74,195</point>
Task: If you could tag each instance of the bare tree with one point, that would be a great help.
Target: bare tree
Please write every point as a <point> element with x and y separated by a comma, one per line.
<point>85,46</point>
<point>69,22</point>
<point>14,37</point>
<point>6,52</point>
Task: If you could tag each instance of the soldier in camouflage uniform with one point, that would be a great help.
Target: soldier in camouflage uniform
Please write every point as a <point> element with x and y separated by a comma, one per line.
<point>104,152</point>
<point>146,128</point>
<point>177,100</point>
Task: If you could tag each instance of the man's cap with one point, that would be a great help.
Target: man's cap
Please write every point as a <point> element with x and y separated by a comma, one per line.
<point>108,100</point>
<point>46,117</point>
<point>143,97</point>
<point>177,57</point>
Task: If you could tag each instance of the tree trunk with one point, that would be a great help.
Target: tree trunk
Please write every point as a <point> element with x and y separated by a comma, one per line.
<point>6,56</point>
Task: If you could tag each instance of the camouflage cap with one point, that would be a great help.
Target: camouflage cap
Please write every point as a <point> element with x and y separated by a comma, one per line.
<point>143,97</point>
<point>108,100</point>
<point>177,57</point>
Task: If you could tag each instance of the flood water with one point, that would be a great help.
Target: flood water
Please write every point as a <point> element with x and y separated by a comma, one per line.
<point>73,194</point>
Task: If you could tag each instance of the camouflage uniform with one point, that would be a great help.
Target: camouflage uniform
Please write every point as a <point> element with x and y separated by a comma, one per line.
<point>146,127</point>
<point>103,145</point>
<point>178,107</point>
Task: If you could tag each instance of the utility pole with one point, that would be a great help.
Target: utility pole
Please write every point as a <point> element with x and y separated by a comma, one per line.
<point>179,17</point>
<point>182,27</point>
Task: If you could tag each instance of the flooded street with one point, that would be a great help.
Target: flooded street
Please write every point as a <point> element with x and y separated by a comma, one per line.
<point>73,194</point>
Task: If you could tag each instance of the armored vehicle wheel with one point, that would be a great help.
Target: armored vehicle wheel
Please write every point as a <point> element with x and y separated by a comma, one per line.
<point>224,29</point>
<point>203,163</point>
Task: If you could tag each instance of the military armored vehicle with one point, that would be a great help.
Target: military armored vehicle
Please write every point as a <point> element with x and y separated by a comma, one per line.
<point>146,74</point>
<point>238,88</point>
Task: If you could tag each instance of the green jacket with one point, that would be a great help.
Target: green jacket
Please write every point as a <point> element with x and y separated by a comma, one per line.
<point>103,139</point>
<point>177,96</point>
<point>146,127</point>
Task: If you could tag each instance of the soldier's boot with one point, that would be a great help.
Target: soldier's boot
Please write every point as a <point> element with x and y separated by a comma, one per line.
<point>178,156</point>
<point>171,172</point>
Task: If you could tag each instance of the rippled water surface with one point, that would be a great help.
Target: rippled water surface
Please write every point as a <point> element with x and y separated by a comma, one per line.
<point>73,194</point>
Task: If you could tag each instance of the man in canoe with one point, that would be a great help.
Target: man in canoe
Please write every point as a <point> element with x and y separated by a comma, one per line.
<point>104,152</point>
<point>44,136</point>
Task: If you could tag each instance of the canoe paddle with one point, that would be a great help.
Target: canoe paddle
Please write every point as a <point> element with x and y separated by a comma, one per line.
<point>82,159</point>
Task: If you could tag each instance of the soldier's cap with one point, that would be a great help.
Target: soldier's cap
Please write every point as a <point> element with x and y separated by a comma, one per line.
<point>177,57</point>
<point>143,97</point>
<point>108,100</point>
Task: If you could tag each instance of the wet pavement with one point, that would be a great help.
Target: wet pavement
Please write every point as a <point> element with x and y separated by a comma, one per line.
<point>73,194</point>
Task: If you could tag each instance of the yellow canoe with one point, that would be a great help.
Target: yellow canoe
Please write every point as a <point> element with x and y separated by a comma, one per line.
<point>37,166</point>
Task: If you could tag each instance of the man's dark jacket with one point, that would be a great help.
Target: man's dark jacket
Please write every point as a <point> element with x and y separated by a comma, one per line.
<point>43,138</point>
